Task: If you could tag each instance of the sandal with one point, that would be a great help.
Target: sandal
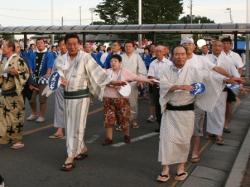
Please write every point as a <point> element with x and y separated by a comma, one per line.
<point>181,176</point>
<point>195,159</point>
<point>219,141</point>
<point>68,166</point>
<point>56,136</point>
<point>17,146</point>
<point>81,156</point>
<point>163,178</point>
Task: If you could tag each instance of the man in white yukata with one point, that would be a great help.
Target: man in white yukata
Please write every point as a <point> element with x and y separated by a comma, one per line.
<point>133,62</point>
<point>177,105</point>
<point>216,118</point>
<point>231,97</point>
<point>81,76</point>
<point>202,63</point>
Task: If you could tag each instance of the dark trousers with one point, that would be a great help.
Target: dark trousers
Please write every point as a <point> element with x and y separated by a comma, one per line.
<point>155,91</point>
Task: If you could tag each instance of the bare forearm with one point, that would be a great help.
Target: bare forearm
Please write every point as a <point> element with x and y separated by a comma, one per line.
<point>174,88</point>
<point>221,71</point>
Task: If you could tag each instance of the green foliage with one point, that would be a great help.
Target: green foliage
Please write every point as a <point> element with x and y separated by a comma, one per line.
<point>126,11</point>
<point>196,19</point>
<point>8,36</point>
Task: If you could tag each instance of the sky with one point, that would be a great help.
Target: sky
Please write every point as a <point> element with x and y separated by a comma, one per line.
<point>38,12</point>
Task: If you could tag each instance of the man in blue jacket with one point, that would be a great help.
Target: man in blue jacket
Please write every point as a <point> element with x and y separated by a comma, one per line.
<point>40,64</point>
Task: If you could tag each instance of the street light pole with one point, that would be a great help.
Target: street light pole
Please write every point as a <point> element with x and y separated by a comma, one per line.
<point>230,14</point>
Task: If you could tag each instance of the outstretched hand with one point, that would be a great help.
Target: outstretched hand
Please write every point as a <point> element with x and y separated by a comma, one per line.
<point>118,83</point>
<point>235,80</point>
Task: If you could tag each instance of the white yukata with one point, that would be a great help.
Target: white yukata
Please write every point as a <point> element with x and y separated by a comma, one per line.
<point>59,101</point>
<point>135,64</point>
<point>82,73</point>
<point>177,126</point>
<point>202,63</point>
<point>216,118</point>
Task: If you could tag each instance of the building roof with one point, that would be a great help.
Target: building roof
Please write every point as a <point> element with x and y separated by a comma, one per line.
<point>116,29</point>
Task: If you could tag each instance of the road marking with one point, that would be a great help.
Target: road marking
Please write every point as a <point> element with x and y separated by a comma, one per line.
<point>190,164</point>
<point>145,136</point>
<point>28,132</point>
<point>93,139</point>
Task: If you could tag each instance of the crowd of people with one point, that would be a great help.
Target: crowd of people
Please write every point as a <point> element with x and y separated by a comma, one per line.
<point>117,75</point>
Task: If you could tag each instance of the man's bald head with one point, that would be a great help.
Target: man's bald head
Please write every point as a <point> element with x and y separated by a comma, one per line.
<point>159,52</point>
<point>179,56</point>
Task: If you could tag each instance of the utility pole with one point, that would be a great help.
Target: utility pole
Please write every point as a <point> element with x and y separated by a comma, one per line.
<point>140,21</point>
<point>191,11</point>
<point>62,21</point>
<point>52,19</point>
<point>80,13</point>
<point>92,15</point>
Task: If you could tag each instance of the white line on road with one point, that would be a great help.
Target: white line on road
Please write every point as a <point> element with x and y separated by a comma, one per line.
<point>93,138</point>
<point>145,136</point>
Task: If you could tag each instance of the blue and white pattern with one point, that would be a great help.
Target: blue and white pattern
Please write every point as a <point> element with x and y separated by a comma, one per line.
<point>234,87</point>
<point>199,88</point>
<point>43,81</point>
<point>54,81</point>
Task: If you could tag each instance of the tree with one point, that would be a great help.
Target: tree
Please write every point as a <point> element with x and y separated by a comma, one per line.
<point>196,19</point>
<point>126,11</point>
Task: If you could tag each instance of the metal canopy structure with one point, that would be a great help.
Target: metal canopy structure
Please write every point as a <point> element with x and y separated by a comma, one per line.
<point>137,29</point>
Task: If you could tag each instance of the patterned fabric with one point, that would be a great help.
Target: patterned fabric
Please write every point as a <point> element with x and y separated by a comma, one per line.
<point>47,62</point>
<point>83,72</point>
<point>12,119</point>
<point>12,107</point>
<point>116,110</point>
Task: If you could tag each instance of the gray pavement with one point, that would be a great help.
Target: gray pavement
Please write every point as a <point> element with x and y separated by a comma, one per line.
<point>134,165</point>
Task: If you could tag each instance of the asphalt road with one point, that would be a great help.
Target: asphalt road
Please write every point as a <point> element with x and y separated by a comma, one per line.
<point>120,165</point>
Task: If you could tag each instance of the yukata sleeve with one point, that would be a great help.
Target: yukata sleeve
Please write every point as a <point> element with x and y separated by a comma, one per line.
<point>51,60</point>
<point>214,85</point>
<point>97,77</point>
<point>22,77</point>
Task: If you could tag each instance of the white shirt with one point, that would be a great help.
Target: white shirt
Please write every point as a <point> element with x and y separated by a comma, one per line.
<point>134,63</point>
<point>201,62</point>
<point>224,62</point>
<point>235,57</point>
<point>157,66</point>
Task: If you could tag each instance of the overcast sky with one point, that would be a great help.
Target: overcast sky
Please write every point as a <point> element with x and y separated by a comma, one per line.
<point>35,12</point>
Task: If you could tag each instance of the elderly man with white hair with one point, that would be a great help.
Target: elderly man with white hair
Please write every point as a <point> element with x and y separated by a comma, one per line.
<point>154,72</point>
<point>216,118</point>
<point>177,106</point>
<point>201,63</point>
